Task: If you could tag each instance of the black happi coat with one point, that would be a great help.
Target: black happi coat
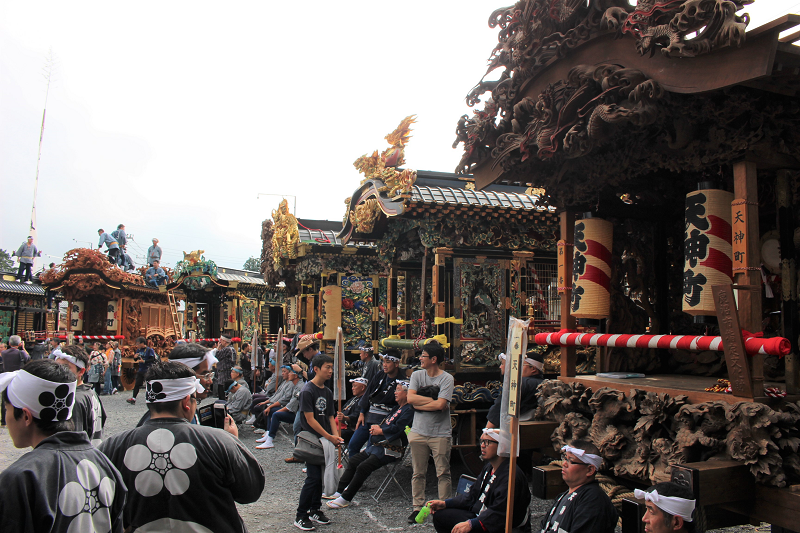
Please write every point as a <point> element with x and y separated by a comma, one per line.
<point>63,485</point>
<point>380,392</point>
<point>488,497</point>
<point>184,476</point>
<point>88,413</point>
<point>527,399</point>
<point>587,510</point>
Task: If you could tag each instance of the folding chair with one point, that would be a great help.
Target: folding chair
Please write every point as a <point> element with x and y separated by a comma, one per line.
<point>390,476</point>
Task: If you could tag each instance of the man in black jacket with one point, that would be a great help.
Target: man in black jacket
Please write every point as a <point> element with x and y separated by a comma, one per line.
<point>378,401</point>
<point>387,440</point>
<point>483,508</point>
<point>584,508</point>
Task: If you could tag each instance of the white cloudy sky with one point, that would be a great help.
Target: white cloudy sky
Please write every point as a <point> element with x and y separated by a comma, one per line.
<point>172,117</point>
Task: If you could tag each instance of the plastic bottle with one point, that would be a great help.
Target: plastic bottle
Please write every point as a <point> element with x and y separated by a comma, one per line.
<point>423,514</point>
<point>407,430</point>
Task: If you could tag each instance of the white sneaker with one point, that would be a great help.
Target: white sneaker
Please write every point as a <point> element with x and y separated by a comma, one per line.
<point>265,445</point>
<point>259,431</point>
<point>250,420</point>
<point>265,438</point>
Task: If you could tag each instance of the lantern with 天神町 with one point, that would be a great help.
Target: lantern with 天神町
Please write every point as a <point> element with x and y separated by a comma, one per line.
<point>591,268</point>
<point>706,248</point>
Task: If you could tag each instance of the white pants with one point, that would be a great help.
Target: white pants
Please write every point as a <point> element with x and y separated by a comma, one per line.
<point>330,478</point>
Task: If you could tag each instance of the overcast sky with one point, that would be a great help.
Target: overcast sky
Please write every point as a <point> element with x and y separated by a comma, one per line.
<point>171,117</point>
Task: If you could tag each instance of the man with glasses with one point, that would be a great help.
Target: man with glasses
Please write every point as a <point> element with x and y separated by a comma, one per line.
<point>584,508</point>
<point>483,507</point>
<point>431,434</point>
<point>175,468</point>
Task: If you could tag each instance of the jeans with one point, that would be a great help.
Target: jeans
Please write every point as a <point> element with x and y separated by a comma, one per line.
<point>311,493</point>
<point>421,448</point>
<point>107,386</point>
<point>445,520</point>
<point>359,468</point>
<point>26,267</point>
<point>361,435</point>
<point>276,419</point>
<point>297,427</point>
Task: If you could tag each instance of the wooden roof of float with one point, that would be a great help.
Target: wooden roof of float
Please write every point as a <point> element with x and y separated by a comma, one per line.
<point>442,193</point>
<point>594,97</point>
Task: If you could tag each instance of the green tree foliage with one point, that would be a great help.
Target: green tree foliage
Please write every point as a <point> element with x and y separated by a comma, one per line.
<point>252,264</point>
<point>6,263</point>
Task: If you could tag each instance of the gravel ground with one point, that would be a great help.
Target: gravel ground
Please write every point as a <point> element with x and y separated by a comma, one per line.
<point>275,510</point>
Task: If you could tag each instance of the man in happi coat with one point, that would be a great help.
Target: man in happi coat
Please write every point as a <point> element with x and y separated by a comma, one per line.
<point>226,358</point>
<point>182,476</point>
<point>483,508</point>
<point>670,508</point>
<point>88,413</point>
<point>584,508</point>
<point>378,401</point>
<point>64,484</point>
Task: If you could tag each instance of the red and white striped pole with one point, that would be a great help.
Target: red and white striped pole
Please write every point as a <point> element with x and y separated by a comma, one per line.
<point>753,345</point>
<point>93,337</point>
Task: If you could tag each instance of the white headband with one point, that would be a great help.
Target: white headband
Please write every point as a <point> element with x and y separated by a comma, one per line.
<point>169,390</point>
<point>492,433</point>
<point>501,356</point>
<point>366,348</point>
<point>46,400</point>
<point>363,381</point>
<point>670,504</point>
<point>404,383</point>
<point>390,358</point>
<point>588,458</point>
<point>534,363</point>
<point>61,355</point>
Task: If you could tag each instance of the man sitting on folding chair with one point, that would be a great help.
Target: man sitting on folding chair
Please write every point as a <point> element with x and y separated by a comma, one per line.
<point>386,444</point>
<point>483,508</point>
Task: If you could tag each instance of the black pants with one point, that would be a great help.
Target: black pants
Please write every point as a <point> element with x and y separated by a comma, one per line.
<point>311,493</point>
<point>445,520</point>
<point>113,255</point>
<point>220,388</point>
<point>26,267</point>
<point>138,384</point>
<point>359,468</point>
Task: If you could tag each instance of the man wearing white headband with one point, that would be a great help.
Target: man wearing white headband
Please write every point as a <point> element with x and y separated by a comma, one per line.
<point>347,418</point>
<point>483,507</point>
<point>89,415</point>
<point>532,369</point>
<point>584,508</point>
<point>670,508</point>
<point>386,443</point>
<point>370,365</point>
<point>378,400</point>
<point>48,488</point>
<point>182,476</point>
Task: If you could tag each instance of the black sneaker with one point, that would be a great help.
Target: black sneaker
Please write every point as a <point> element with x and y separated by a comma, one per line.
<point>131,401</point>
<point>412,518</point>
<point>302,522</point>
<point>319,517</point>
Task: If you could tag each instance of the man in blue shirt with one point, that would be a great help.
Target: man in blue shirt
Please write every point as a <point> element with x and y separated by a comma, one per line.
<point>122,241</point>
<point>145,356</point>
<point>155,275</point>
<point>112,245</point>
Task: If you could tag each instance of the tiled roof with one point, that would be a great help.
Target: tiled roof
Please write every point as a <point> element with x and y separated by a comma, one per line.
<point>449,195</point>
<point>21,288</point>
<point>318,236</point>
<point>241,279</point>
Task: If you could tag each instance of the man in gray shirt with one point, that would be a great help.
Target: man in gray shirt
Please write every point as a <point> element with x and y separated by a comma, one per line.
<point>26,253</point>
<point>430,394</point>
<point>154,252</point>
